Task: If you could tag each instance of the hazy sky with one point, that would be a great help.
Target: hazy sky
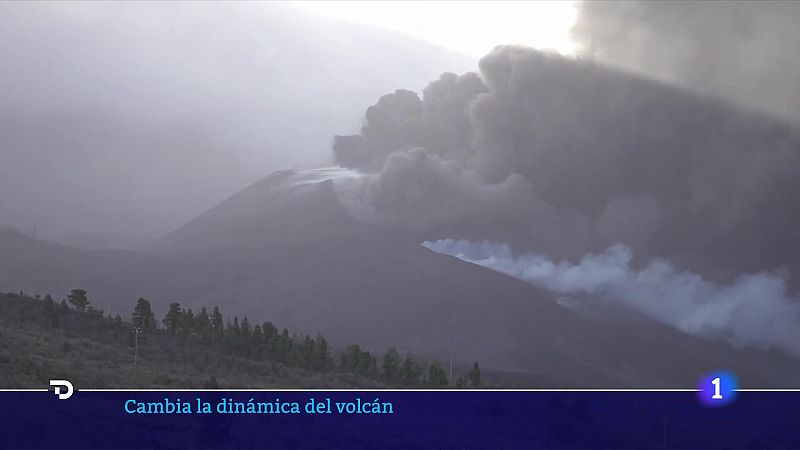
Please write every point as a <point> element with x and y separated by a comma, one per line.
<point>473,28</point>
<point>132,118</point>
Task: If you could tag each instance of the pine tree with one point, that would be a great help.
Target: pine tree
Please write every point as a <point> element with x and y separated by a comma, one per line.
<point>235,329</point>
<point>354,360</point>
<point>186,322</point>
<point>474,376</point>
<point>245,330</point>
<point>143,317</point>
<point>323,357</point>
<point>348,360</point>
<point>232,338</point>
<point>217,324</point>
<point>172,318</point>
<point>283,346</point>
<point>409,374</point>
<point>391,365</point>
<point>245,338</point>
<point>78,298</point>
<point>257,347</point>
<point>436,376</point>
<point>270,340</point>
<point>202,324</point>
<point>309,351</point>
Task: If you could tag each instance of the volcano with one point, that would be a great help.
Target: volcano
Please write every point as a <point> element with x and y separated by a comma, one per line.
<point>285,249</point>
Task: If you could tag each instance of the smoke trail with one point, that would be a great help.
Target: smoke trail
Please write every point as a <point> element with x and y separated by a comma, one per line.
<point>736,312</point>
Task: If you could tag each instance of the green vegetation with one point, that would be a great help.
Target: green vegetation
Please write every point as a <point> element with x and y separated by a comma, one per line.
<point>41,339</point>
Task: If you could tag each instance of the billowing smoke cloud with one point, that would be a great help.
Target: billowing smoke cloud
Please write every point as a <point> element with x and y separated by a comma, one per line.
<point>741,50</point>
<point>424,192</point>
<point>566,157</point>
<point>401,120</point>
<point>754,309</point>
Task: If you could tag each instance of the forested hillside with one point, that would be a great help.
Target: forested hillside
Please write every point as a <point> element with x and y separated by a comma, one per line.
<point>43,339</point>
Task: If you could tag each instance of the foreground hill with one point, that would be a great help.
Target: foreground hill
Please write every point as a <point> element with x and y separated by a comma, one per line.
<point>44,341</point>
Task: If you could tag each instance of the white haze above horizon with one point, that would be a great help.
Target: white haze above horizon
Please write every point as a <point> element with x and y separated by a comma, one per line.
<point>544,25</point>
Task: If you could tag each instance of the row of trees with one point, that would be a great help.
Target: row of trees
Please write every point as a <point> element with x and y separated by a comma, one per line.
<point>266,342</point>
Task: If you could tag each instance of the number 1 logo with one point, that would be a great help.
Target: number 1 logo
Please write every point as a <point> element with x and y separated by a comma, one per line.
<point>717,389</point>
<point>717,395</point>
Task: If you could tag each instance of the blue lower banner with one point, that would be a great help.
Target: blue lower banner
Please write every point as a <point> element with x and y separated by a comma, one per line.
<point>396,419</point>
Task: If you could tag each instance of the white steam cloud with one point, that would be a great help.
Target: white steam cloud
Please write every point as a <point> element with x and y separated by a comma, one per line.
<point>736,312</point>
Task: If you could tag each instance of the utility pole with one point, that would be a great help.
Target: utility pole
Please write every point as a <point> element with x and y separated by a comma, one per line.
<point>137,330</point>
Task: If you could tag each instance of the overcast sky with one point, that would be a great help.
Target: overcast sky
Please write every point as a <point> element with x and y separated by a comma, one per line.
<point>131,118</point>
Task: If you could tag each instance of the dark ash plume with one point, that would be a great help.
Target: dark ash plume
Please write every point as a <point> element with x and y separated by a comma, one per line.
<point>564,157</point>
